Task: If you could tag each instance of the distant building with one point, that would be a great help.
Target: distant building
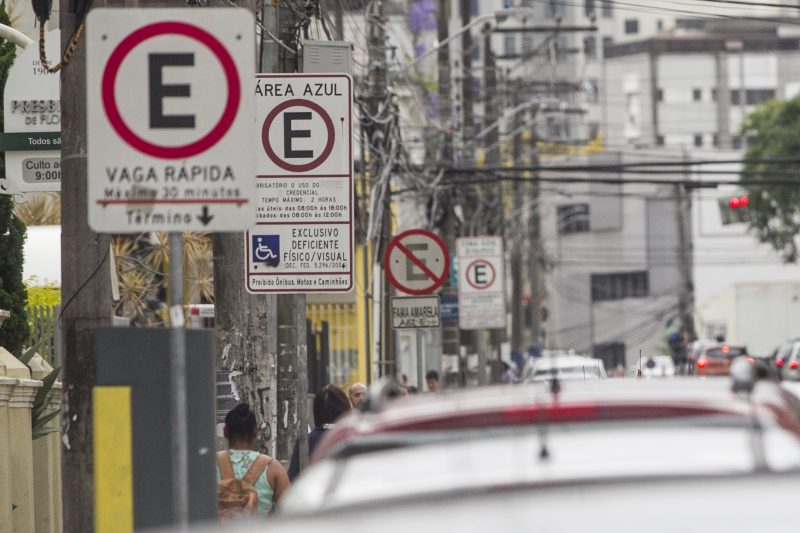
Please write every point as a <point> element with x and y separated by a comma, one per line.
<point>691,87</point>
<point>612,255</point>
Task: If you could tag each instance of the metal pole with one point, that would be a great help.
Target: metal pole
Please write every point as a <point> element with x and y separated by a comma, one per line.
<point>420,360</point>
<point>177,382</point>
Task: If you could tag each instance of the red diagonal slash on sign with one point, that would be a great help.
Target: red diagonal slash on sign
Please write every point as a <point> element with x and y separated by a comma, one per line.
<point>417,261</point>
<point>436,280</point>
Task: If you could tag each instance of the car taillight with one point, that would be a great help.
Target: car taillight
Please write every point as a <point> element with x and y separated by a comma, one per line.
<point>779,362</point>
<point>701,363</point>
<point>793,364</point>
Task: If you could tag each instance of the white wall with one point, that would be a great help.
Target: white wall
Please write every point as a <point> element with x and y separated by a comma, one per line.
<point>725,256</point>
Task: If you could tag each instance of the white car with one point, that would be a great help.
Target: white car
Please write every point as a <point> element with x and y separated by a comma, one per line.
<point>566,367</point>
<point>654,366</point>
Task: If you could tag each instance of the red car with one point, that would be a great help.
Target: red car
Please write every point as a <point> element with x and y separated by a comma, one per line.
<point>715,360</point>
<point>530,435</point>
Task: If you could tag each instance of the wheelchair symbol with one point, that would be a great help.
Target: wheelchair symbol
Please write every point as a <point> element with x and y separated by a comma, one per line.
<point>266,249</point>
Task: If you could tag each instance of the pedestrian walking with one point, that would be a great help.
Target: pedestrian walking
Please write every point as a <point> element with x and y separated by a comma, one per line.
<point>329,404</point>
<point>248,483</point>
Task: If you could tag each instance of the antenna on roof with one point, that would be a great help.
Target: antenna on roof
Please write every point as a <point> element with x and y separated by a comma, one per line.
<point>639,372</point>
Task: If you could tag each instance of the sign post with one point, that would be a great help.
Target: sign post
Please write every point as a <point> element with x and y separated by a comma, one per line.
<point>169,116</point>
<point>417,262</point>
<point>303,238</point>
<point>481,288</point>
<point>32,122</point>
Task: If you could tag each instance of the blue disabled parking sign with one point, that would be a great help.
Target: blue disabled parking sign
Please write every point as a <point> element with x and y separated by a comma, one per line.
<point>266,249</point>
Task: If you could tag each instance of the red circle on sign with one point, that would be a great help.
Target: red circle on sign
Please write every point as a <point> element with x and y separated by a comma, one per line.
<point>110,100</point>
<point>485,285</point>
<point>437,281</point>
<point>297,102</point>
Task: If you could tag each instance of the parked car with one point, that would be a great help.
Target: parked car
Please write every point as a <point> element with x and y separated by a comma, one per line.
<point>790,369</point>
<point>715,359</point>
<point>537,436</point>
<point>712,503</point>
<point>694,351</point>
<point>783,353</point>
<point>654,366</point>
<point>566,367</point>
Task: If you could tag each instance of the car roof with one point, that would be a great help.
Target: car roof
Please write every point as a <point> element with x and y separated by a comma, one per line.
<point>692,504</point>
<point>564,361</point>
<point>519,404</point>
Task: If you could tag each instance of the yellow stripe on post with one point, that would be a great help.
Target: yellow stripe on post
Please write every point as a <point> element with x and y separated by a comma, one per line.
<point>113,459</point>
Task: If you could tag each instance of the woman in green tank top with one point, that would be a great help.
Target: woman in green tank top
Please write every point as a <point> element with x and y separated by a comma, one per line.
<point>240,431</point>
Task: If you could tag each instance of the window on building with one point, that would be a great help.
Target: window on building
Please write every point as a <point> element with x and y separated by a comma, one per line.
<point>474,7</point>
<point>729,215</point>
<point>659,24</point>
<point>607,41</point>
<point>736,142</point>
<point>557,8</point>
<point>714,94</point>
<point>752,96</point>
<point>659,95</point>
<point>757,96</point>
<point>588,7</point>
<point>590,47</point>
<point>594,130</point>
<point>659,140</point>
<point>631,26</point>
<point>607,9</point>
<point>697,95</point>
<point>715,139</point>
<point>573,218</point>
<point>698,139</point>
<point>716,329</point>
<point>510,45</point>
<point>592,91</point>
<point>618,286</point>
<point>527,43</point>
<point>611,353</point>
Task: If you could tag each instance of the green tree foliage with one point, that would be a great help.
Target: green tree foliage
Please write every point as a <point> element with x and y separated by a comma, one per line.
<point>14,332</point>
<point>773,132</point>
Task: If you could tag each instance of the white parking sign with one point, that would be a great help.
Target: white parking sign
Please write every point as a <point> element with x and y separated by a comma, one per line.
<point>169,116</point>
<point>303,238</point>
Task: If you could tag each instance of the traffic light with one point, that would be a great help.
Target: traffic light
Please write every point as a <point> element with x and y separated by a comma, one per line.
<point>738,201</point>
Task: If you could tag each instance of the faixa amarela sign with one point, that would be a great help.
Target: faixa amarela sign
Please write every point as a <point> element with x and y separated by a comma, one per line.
<point>170,119</point>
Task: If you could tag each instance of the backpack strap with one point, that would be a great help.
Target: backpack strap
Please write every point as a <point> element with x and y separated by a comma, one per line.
<point>225,466</point>
<point>256,469</point>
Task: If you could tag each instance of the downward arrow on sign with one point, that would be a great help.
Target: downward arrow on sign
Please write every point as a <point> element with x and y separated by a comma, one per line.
<point>205,218</point>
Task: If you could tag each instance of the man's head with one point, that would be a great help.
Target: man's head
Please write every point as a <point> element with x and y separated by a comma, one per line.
<point>432,378</point>
<point>357,394</point>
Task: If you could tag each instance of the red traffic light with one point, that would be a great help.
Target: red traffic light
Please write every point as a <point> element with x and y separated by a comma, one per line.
<point>738,201</point>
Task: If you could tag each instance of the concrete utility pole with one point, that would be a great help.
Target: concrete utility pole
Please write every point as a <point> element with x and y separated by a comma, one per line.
<point>244,330</point>
<point>451,336</point>
<point>686,293</point>
<point>493,192</point>
<point>292,408</point>
<point>378,108</point>
<point>516,232</point>
<point>86,291</point>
